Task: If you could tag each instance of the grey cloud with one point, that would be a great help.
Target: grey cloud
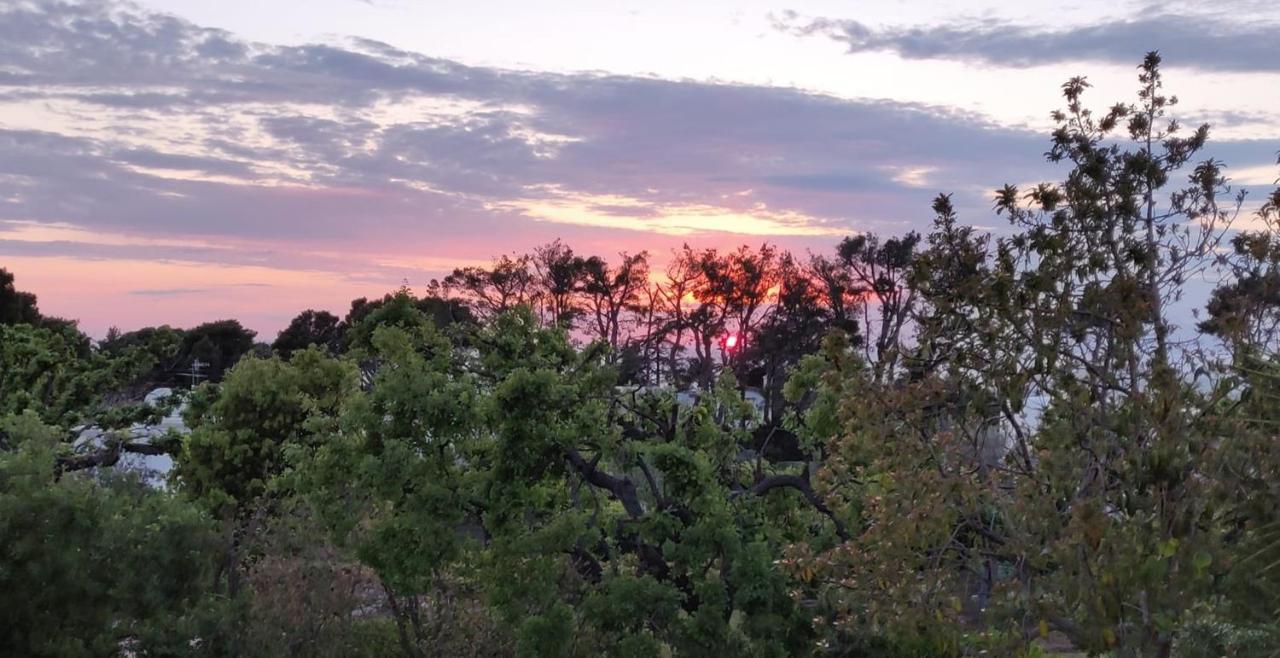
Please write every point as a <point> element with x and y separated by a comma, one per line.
<point>174,292</point>
<point>144,157</point>
<point>829,182</point>
<point>95,251</point>
<point>1187,40</point>
<point>657,140</point>
<point>442,184</point>
<point>616,210</point>
<point>102,43</point>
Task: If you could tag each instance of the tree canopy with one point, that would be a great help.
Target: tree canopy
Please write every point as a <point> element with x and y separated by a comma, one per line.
<point>960,442</point>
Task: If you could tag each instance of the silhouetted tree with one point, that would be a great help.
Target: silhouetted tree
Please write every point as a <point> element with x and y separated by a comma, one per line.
<point>877,273</point>
<point>610,292</point>
<point>310,327</point>
<point>218,344</point>
<point>558,279</point>
<point>489,291</point>
<point>16,307</point>
<point>794,326</point>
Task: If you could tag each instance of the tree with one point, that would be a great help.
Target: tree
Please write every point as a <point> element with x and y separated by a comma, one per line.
<point>709,296</point>
<point>1245,310</point>
<point>601,518</point>
<point>559,279</point>
<point>674,315</point>
<point>667,532</point>
<point>877,275</point>
<point>732,293</point>
<point>218,345</point>
<point>793,328</point>
<point>397,480</point>
<point>162,346</point>
<point>93,565</point>
<point>610,292</point>
<point>48,373</point>
<point>509,283</point>
<point>1093,520</point>
<point>16,307</point>
<point>440,310</point>
<point>242,428</point>
<point>310,327</point>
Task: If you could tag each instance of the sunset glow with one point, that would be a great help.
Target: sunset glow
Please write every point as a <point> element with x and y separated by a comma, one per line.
<point>252,170</point>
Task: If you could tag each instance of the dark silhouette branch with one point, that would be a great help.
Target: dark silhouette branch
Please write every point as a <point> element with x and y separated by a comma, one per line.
<point>801,484</point>
<point>622,488</point>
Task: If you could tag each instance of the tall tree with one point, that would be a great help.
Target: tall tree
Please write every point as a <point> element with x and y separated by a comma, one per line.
<point>879,275</point>
<point>510,282</point>
<point>1093,519</point>
<point>610,292</point>
<point>559,275</point>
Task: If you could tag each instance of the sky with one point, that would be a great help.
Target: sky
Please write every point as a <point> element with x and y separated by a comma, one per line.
<point>179,161</point>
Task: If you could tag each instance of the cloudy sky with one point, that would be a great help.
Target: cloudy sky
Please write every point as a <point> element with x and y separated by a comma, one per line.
<point>174,161</point>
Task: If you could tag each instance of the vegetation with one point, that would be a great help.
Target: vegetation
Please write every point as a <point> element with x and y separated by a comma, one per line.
<point>953,444</point>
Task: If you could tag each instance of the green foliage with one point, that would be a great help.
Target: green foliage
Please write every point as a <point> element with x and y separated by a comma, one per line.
<point>174,352</point>
<point>241,428</point>
<point>680,543</point>
<point>547,634</point>
<point>162,345</point>
<point>88,563</point>
<point>402,448</point>
<point>46,372</point>
<point>1111,518</point>
<point>397,309</point>
<point>590,528</point>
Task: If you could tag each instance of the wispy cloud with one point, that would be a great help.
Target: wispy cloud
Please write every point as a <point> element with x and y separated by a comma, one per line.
<point>168,292</point>
<point>136,137</point>
<point>161,127</point>
<point>1213,43</point>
